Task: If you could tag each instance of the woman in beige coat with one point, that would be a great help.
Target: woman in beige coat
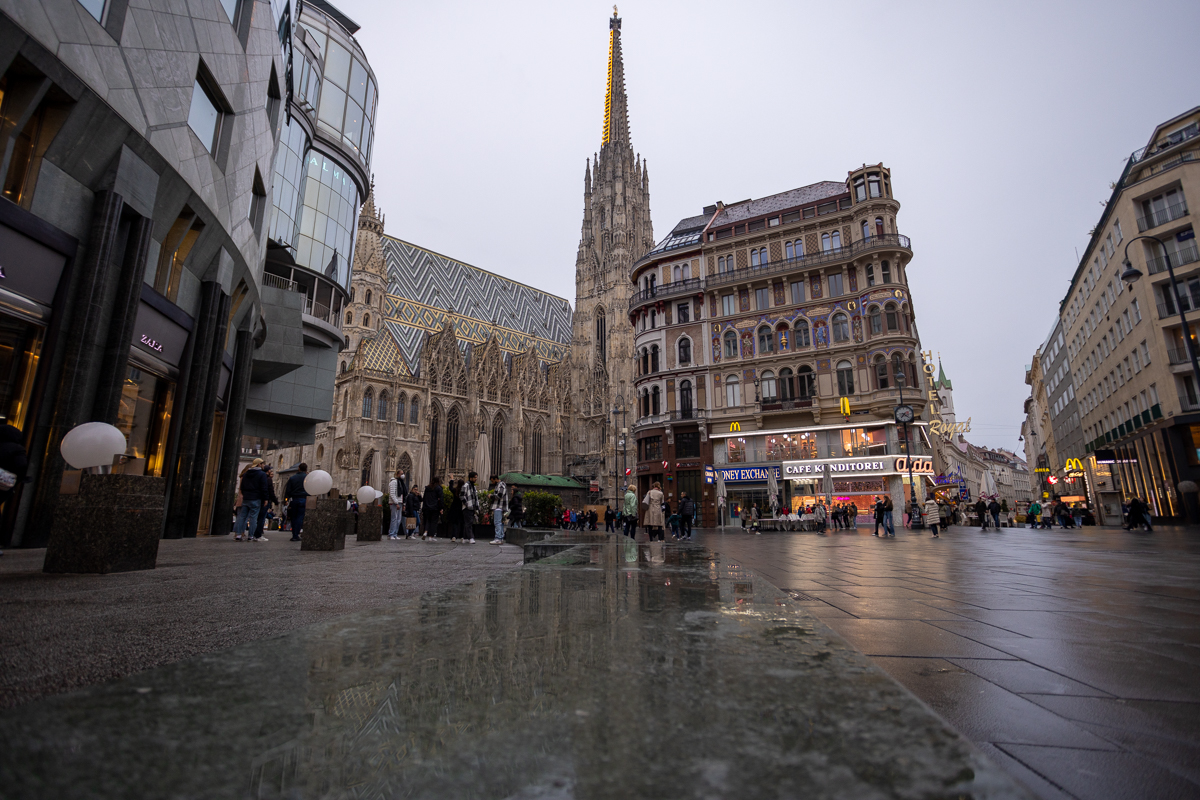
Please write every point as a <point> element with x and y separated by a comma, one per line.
<point>653,519</point>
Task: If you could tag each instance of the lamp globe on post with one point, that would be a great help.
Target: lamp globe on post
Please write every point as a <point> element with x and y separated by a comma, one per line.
<point>1130,274</point>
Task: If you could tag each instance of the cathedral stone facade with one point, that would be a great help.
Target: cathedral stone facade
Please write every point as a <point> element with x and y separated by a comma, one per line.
<point>438,352</point>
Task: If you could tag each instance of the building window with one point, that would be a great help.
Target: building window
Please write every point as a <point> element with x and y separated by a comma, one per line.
<point>866,230</point>
<point>873,184</point>
<point>731,344</point>
<point>787,384</point>
<point>801,338</point>
<point>806,383</point>
<point>383,406</point>
<point>645,361</point>
<point>452,438</point>
<point>685,351</point>
<point>653,318</point>
<point>761,299</point>
<point>766,341</point>
<point>881,372</point>
<point>687,444</point>
<point>826,244</point>
<point>733,393</point>
<point>860,189</point>
<point>367,400</point>
<point>401,407</point>
<point>366,320</point>
<point>204,117</point>
<point>685,400</point>
<point>725,264</point>
<point>876,320</point>
<point>798,291</point>
<point>601,336</point>
<point>870,275</point>
<point>655,401</point>
<point>683,312</point>
<point>835,285</point>
<point>414,409</point>
<point>654,358</point>
<point>845,378</point>
<point>728,304</point>
<point>886,271</point>
<point>898,372</point>
<point>841,328</point>
<point>893,319</point>
<point>879,226</point>
<point>767,386</point>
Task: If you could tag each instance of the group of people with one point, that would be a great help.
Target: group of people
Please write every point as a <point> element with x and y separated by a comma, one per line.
<point>1044,516</point>
<point>655,514</point>
<point>421,512</point>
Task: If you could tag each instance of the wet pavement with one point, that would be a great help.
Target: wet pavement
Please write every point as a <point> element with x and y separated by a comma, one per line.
<point>606,671</point>
<point>1072,658</point>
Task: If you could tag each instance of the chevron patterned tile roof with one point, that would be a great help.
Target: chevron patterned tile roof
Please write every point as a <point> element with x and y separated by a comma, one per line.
<point>382,354</point>
<point>427,289</point>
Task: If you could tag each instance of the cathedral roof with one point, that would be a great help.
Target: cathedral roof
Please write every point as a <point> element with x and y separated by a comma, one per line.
<point>779,202</point>
<point>380,353</point>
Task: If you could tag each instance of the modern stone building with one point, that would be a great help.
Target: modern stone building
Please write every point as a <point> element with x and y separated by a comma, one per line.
<point>1130,370</point>
<point>753,321</point>
<point>141,142</point>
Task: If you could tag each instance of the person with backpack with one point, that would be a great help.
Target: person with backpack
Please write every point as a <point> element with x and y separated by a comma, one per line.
<point>1033,514</point>
<point>432,506</point>
<point>296,497</point>
<point>397,492</point>
<point>994,510</point>
<point>687,512</point>
<point>412,513</point>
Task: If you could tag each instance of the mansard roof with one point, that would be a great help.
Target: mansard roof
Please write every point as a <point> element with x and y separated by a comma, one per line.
<point>793,198</point>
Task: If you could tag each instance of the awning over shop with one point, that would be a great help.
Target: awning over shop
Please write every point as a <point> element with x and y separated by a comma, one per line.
<point>540,481</point>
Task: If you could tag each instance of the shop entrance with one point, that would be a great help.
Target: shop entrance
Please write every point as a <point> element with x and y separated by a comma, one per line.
<point>145,419</point>
<point>20,352</point>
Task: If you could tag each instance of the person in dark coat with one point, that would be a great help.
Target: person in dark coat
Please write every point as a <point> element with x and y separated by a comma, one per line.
<point>981,509</point>
<point>412,511</point>
<point>994,510</point>
<point>687,511</point>
<point>297,499</point>
<point>455,520</point>
<point>256,490</point>
<point>271,500</point>
<point>14,462</point>
<point>433,504</point>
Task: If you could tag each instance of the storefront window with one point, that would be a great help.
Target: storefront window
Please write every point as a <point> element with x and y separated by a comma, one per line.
<point>863,442</point>
<point>145,418</point>
<point>20,352</point>
<point>737,451</point>
<point>792,447</point>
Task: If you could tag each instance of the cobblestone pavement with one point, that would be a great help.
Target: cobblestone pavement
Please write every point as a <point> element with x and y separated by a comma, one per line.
<point>1072,658</point>
<point>60,632</point>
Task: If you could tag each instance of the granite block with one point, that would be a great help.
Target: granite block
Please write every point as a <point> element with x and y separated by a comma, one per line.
<point>370,523</point>
<point>113,524</point>
<point>326,522</point>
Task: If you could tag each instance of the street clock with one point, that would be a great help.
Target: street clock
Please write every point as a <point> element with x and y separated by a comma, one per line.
<point>904,414</point>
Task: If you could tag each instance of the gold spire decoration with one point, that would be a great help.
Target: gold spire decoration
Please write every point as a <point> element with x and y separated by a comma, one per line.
<point>608,94</point>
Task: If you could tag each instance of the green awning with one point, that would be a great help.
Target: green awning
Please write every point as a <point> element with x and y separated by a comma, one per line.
<point>547,481</point>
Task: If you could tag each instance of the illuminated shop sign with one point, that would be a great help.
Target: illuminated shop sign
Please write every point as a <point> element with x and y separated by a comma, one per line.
<point>743,474</point>
<point>153,345</point>
<point>798,469</point>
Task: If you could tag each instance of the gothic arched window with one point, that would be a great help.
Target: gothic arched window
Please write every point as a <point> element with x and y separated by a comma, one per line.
<point>368,396</point>
<point>685,399</point>
<point>881,373</point>
<point>787,386</point>
<point>434,419</point>
<point>368,297</point>
<point>876,320</point>
<point>601,337</point>
<point>535,451</point>
<point>382,411</point>
<point>401,403</point>
<point>415,407</point>
<point>349,318</point>
<point>497,445</point>
<point>766,342</point>
<point>452,438</point>
<point>801,339</point>
<point>685,351</point>
<point>366,320</point>
<point>731,344</point>
<point>655,401</point>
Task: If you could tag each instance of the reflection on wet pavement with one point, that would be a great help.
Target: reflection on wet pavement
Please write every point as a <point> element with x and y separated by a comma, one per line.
<point>606,670</point>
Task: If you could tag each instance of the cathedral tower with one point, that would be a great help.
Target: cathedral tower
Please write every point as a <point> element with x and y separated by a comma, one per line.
<point>616,232</point>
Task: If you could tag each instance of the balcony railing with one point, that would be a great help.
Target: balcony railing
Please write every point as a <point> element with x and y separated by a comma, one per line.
<point>1186,254</point>
<point>665,290</point>
<point>1179,355</point>
<point>1168,310</point>
<point>1167,142</point>
<point>323,313</point>
<point>787,405</point>
<point>278,282</point>
<point>811,260</point>
<point>1162,216</point>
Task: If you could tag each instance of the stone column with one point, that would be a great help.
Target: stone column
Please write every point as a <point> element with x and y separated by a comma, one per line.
<point>89,311</point>
<point>190,402</point>
<point>231,444</point>
<point>120,332</point>
<point>207,412</point>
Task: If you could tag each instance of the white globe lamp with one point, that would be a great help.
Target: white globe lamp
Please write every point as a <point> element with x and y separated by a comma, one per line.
<point>318,482</point>
<point>92,444</point>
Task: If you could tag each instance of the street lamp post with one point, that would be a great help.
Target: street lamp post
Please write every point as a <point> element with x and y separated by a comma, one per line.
<point>623,433</point>
<point>1131,274</point>
<point>904,415</point>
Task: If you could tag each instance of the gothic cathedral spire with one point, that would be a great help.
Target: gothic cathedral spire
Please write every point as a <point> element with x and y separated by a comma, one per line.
<point>616,232</point>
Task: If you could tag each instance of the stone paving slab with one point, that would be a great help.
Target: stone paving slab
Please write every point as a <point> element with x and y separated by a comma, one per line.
<point>1069,656</point>
<point>593,674</point>
<point>61,632</point>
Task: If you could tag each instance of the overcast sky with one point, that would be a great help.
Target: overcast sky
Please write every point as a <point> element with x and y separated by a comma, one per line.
<point>1003,124</point>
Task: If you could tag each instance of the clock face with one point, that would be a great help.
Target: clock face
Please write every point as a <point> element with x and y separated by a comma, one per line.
<point>904,414</point>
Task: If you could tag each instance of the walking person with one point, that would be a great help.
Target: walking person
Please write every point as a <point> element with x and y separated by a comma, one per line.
<point>432,505</point>
<point>889,526</point>
<point>687,511</point>
<point>629,511</point>
<point>454,516</point>
<point>852,513</point>
<point>981,511</point>
<point>654,520</point>
<point>516,510</point>
<point>994,510</point>
<point>14,462</point>
<point>412,513</point>
<point>1033,514</point>
<point>1047,517</point>
<point>944,514</point>
<point>296,497</point>
<point>1077,514</point>
<point>499,504</point>
<point>933,515</point>
<point>397,491</point>
<point>879,516</point>
<point>255,489</point>
<point>610,518</point>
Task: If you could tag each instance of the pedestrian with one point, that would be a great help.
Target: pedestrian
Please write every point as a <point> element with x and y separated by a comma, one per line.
<point>432,505</point>
<point>297,499</point>
<point>454,515</point>
<point>499,505</point>
<point>255,489</point>
<point>822,517</point>
<point>889,508</point>
<point>852,512</point>
<point>673,523</point>
<point>981,512</point>
<point>932,515</point>
<point>755,517</point>
<point>14,463</point>
<point>879,516</point>
<point>630,511</point>
<point>610,519</point>
<point>1139,514</point>
<point>516,510</point>
<point>412,513</point>
<point>687,512</point>
<point>654,520</point>
<point>994,509</point>
<point>1077,514</point>
<point>397,491</point>
<point>469,495</point>
<point>1033,514</point>
<point>944,512</point>
<point>1048,517</point>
